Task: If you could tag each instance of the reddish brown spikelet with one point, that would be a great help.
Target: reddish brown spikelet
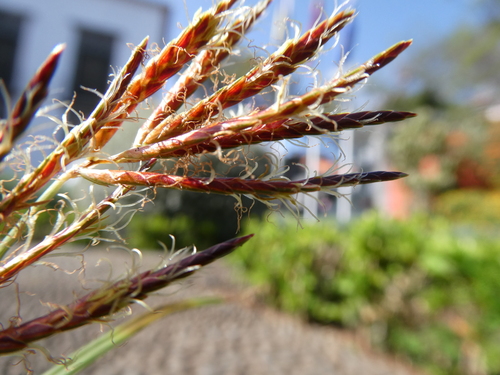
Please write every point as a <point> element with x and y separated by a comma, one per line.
<point>169,61</point>
<point>260,189</point>
<point>74,143</point>
<point>283,111</point>
<point>199,70</point>
<point>234,133</point>
<point>90,217</point>
<point>181,138</point>
<point>281,63</point>
<point>110,299</point>
<point>29,102</point>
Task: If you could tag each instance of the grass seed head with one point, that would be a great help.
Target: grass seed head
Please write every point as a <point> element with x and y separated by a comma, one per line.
<point>169,151</point>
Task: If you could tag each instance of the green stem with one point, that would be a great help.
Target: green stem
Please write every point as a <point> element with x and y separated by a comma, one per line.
<point>89,353</point>
<point>18,227</point>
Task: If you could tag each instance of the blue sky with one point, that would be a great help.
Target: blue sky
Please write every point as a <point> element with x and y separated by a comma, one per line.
<point>379,24</point>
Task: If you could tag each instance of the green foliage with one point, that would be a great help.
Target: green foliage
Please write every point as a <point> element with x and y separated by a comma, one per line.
<point>476,207</point>
<point>282,258</point>
<point>435,147</point>
<point>417,288</point>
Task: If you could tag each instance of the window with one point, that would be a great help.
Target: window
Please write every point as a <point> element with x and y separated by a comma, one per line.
<point>93,68</point>
<point>10,27</point>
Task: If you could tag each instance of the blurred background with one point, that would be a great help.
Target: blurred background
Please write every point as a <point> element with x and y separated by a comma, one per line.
<point>413,266</point>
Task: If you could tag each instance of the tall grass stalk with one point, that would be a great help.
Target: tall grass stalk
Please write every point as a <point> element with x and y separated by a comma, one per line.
<point>167,152</point>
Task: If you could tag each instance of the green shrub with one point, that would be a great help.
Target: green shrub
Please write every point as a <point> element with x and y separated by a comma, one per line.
<point>470,206</point>
<point>416,288</point>
<point>282,258</point>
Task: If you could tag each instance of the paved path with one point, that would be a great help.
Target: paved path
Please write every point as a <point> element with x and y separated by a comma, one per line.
<point>236,338</point>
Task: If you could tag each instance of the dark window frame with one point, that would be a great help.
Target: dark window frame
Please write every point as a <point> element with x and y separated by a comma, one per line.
<point>93,66</point>
<point>11,25</point>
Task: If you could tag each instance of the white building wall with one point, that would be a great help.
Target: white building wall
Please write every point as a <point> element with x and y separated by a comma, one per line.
<point>49,22</point>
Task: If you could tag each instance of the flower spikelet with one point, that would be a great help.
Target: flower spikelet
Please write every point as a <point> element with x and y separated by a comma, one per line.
<point>169,151</point>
